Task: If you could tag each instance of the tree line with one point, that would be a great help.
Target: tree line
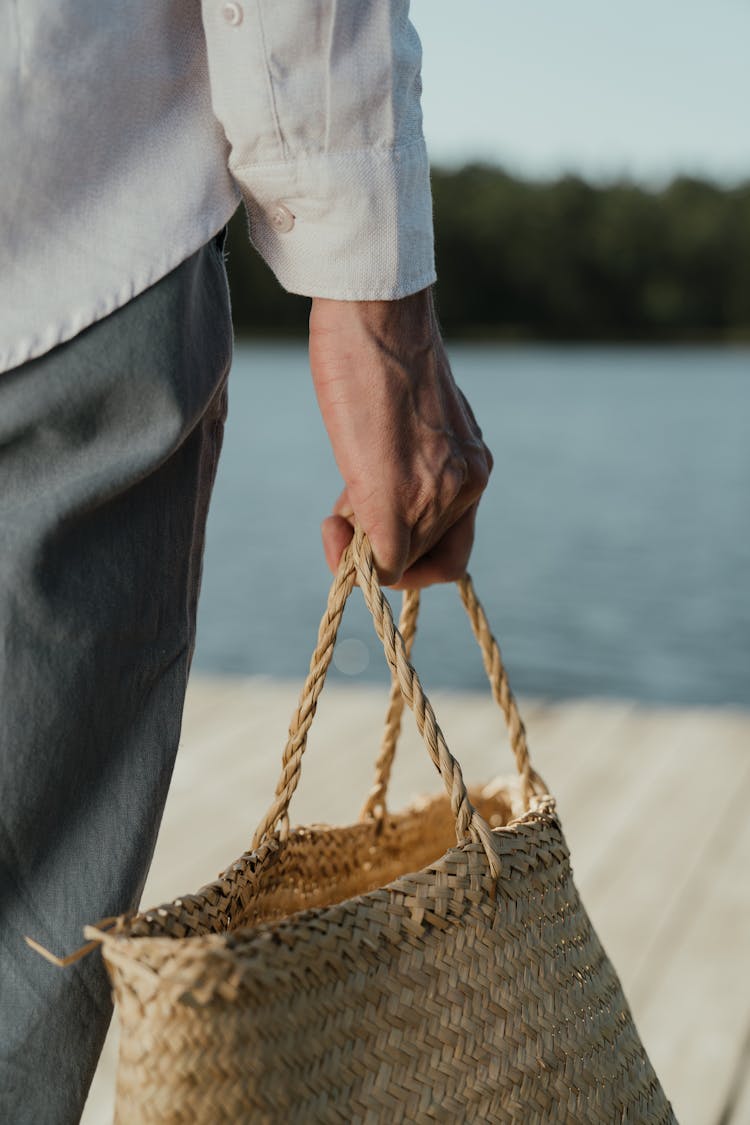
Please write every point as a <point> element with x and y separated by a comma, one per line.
<point>558,260</point>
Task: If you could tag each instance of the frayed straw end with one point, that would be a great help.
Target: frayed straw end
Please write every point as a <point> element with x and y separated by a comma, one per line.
<point>62,962</point>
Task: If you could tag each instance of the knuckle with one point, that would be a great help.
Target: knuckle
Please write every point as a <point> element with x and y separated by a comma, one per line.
<point>452,571</point>
<point>479,468</point>
<point>458,474</point>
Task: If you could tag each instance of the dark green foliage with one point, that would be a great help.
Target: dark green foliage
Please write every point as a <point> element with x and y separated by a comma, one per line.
<point>260,307</point>
<point>562,260</point>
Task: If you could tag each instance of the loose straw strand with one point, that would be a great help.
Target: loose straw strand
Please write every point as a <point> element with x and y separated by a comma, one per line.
<point>113,921</point>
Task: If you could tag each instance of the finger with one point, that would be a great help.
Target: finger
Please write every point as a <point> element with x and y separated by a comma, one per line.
<point>343,507</point>
<point>336,533</point>
<point>390,547</point>
<point>447,560</point>
<point>390,550</point>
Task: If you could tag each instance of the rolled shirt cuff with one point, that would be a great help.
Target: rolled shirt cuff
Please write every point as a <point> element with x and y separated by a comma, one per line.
<point>351,226</point>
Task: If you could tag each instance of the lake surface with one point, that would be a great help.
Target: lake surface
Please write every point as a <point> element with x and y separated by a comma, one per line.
<point>613,544</point>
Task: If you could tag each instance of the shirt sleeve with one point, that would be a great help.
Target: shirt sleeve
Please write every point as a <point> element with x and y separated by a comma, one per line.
<point>320,103</point>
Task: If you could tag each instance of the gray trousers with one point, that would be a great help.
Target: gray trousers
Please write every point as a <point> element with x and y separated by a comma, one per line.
<point>108,450</point>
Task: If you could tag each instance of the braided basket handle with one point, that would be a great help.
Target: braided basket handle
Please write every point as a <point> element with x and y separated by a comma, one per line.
<point>531,783</point>
<point>374,807</point>
<point>357,562</point>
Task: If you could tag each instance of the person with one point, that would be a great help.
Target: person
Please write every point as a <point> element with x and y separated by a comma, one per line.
<point>129,134</point>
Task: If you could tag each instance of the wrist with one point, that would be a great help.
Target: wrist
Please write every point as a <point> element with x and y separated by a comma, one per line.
<point>404,314</point>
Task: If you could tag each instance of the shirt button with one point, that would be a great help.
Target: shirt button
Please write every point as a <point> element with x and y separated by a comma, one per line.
<point>281,218</point>
<point>232,13</point>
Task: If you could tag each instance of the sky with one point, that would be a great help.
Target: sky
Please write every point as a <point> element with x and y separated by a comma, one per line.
<point>640,89</point>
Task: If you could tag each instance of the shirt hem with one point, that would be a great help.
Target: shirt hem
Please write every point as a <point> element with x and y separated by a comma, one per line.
<point>62,332</point>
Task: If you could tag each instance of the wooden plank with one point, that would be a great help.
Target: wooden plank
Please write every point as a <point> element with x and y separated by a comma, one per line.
<point>598,806</point>
<point>100,1104</point>
<point>572,748</point>
<point>649,847</point>
<point>737,1108</point>
<point>223,779</point>
<point>208,695</point>
<point>695,1018</point>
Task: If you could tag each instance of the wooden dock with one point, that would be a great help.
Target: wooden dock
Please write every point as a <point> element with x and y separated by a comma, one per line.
<point>654,803</point>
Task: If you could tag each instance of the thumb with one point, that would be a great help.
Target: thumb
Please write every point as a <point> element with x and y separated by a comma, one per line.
<point>336,533</point>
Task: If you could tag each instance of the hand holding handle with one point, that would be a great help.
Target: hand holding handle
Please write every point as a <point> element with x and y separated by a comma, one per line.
<point>357,561</point>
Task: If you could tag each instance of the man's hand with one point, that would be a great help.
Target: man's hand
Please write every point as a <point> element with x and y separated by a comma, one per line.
<point>404,437</point>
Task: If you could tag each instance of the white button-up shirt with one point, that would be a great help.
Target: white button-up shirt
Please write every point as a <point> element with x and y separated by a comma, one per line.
<point>129,133</point>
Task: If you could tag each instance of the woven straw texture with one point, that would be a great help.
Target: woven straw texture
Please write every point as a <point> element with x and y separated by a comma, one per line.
<point>434,965</point>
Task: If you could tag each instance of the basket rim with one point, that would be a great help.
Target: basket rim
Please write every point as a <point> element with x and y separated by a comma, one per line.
<point>542,813</point>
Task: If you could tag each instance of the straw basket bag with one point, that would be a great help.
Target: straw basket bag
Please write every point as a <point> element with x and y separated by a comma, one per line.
<point>382,972</point>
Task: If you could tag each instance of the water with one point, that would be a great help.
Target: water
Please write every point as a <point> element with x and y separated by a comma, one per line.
<point>613,545</point>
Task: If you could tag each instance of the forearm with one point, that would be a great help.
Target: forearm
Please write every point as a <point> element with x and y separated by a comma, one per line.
<point>405,439</point>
